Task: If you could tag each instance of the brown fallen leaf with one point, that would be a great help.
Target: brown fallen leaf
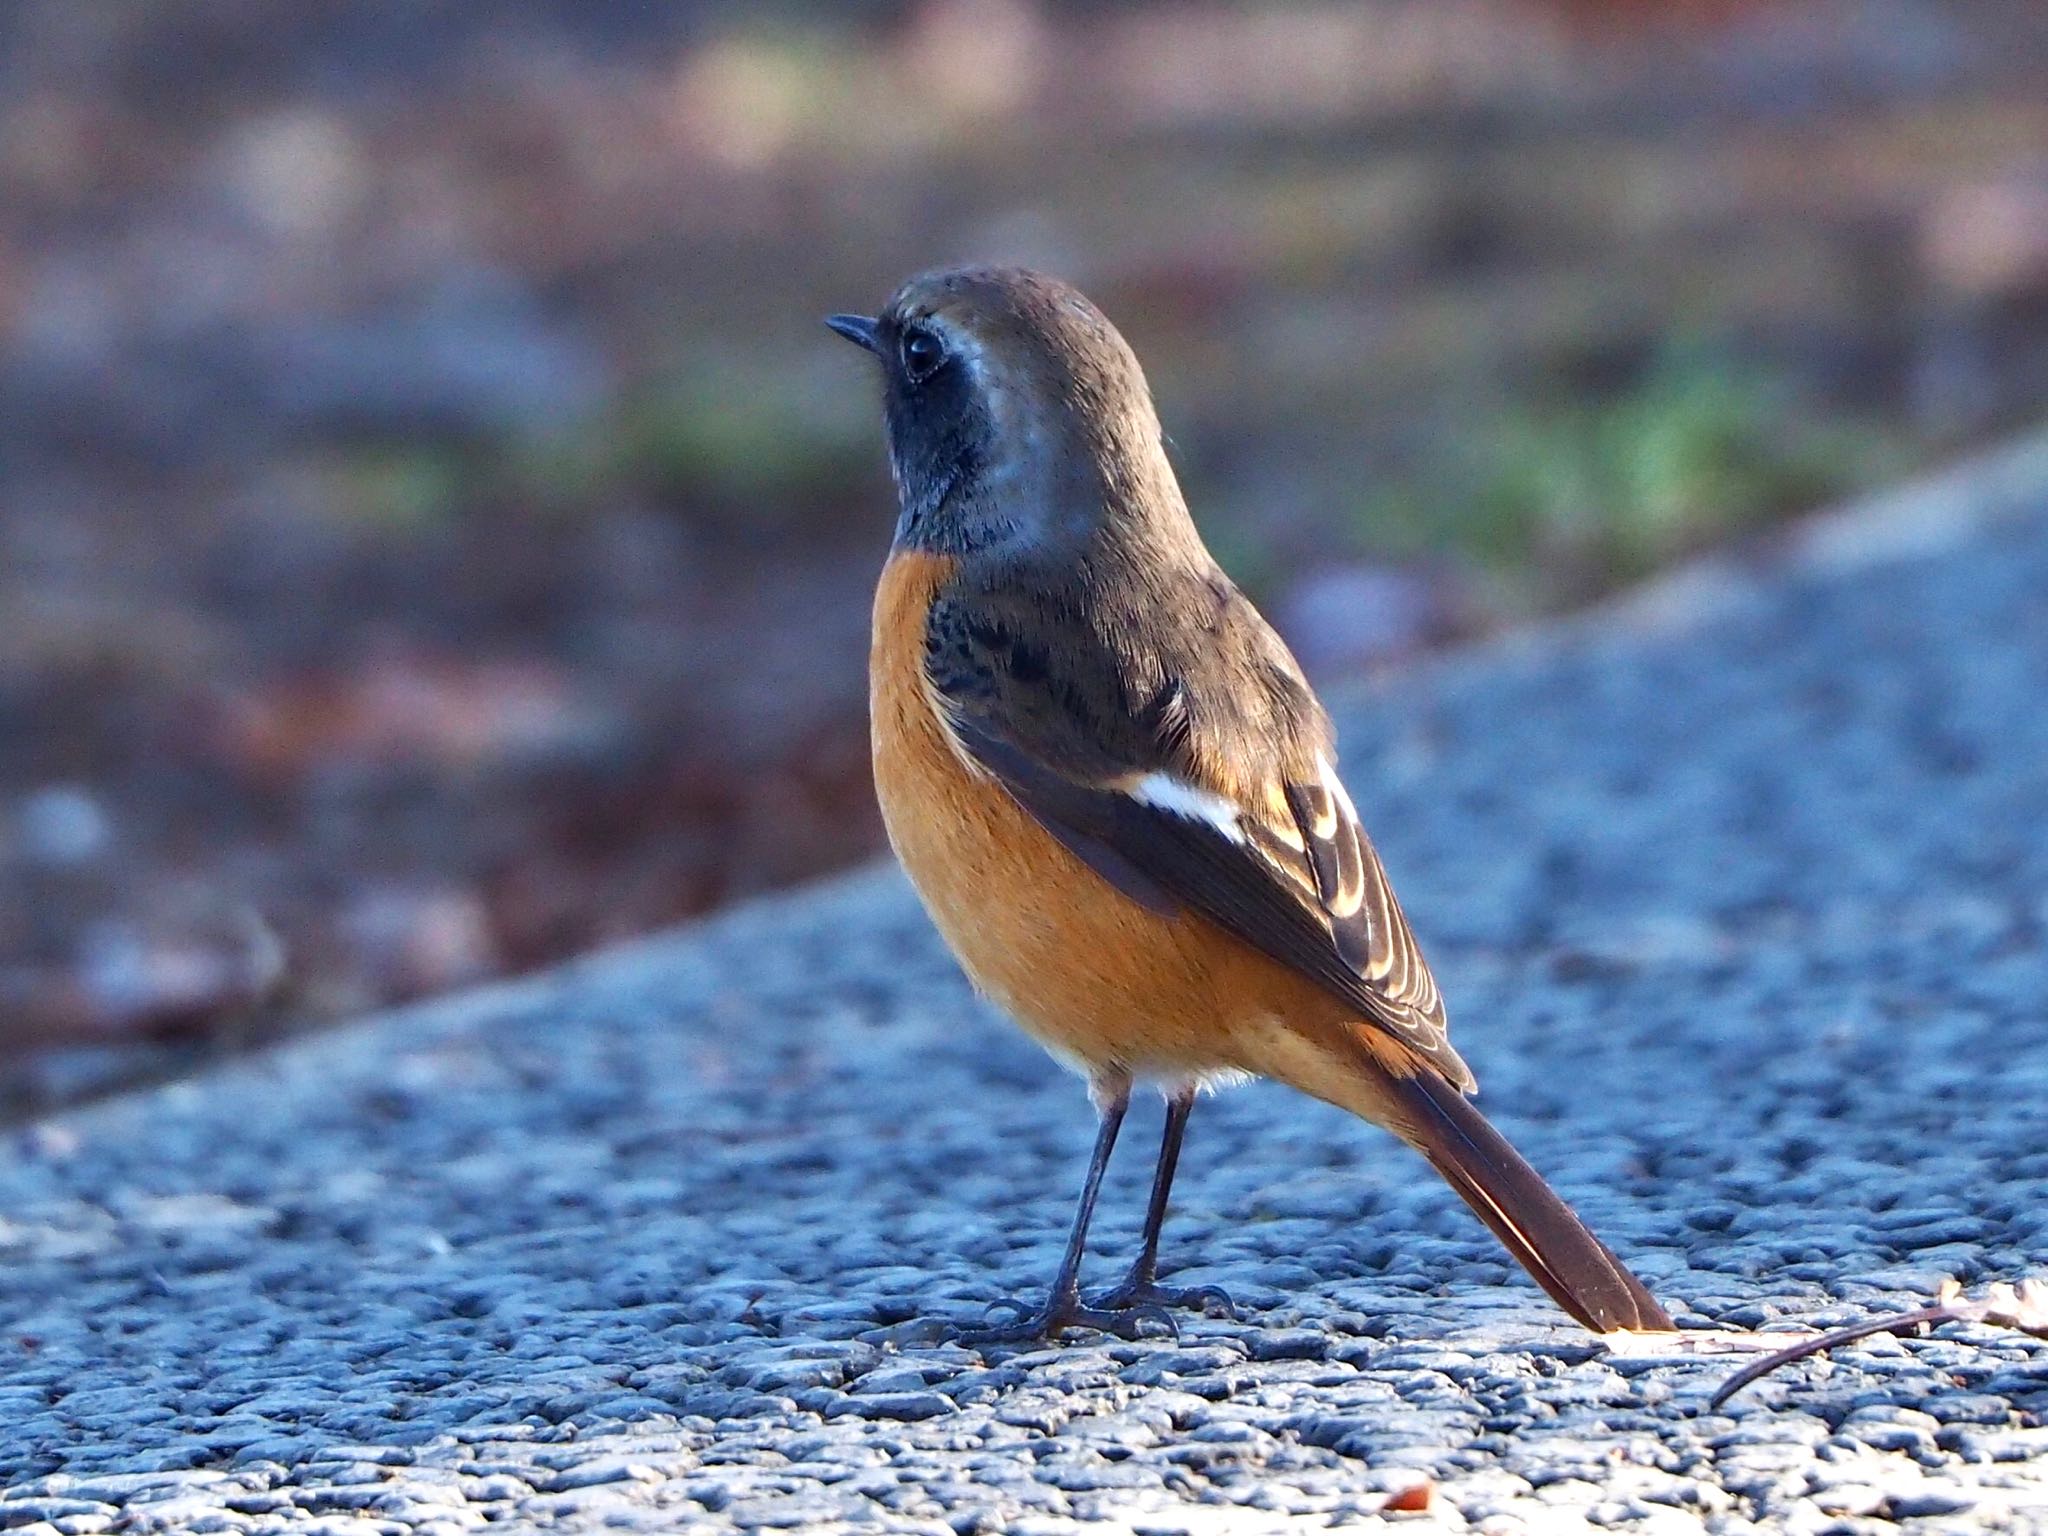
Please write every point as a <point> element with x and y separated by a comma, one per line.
<point>405,707</point>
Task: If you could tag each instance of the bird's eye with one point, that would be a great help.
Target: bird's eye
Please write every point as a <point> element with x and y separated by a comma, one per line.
<point>922,354</point>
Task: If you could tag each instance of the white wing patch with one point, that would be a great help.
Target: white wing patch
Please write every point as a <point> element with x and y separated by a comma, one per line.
<point>1177,797</point>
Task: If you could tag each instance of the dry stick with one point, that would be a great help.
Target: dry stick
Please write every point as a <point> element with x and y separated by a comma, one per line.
<point>2023,1306</point>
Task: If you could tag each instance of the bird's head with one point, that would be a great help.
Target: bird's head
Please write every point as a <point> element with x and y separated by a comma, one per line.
<point>1019,420</point>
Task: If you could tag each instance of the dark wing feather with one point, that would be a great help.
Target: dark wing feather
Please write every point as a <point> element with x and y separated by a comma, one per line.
<point>1367,926</point>
<point>1295,877</point>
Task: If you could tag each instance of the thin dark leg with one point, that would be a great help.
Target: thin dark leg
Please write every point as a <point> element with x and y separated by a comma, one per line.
<point>1067,1282</point>
<point>1063,1307</point>
<point>1140,1287</point>
<point>1177,1110</point>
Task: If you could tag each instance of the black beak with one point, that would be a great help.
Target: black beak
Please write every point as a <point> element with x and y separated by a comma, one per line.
<point>858,329</point>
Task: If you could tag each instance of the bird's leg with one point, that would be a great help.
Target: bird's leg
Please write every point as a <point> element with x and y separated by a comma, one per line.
<point>1141,1286</point>
<point>1063,1307</point>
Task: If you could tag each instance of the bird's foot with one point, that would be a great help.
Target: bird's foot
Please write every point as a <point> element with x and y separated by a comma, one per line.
<point>1142,1290</point>
<point>1043,1324</point>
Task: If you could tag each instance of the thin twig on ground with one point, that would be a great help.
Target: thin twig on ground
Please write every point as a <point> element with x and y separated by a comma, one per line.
<point>2023,1306</point>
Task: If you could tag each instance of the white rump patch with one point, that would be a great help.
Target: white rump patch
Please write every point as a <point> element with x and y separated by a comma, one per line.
<point>1178,798</point>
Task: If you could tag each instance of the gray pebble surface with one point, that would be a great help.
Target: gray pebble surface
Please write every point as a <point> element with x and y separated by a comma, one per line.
<point>1739,893</point>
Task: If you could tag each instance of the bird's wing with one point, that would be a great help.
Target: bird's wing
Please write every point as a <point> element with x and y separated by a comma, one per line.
<point>1208,786</point>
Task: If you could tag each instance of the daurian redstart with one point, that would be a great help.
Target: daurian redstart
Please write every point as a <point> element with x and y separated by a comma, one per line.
<point>1117,795</point>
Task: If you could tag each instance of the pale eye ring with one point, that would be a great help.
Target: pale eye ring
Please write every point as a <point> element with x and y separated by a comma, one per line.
<point>923,352</point>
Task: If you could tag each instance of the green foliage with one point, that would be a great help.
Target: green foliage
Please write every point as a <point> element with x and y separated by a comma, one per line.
<point>717,445</point>
<point>1574,497</point>
<point>712,441</point>
<point>401,488</point>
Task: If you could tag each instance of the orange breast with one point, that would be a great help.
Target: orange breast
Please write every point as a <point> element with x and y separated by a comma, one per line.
<point>1094,976</point>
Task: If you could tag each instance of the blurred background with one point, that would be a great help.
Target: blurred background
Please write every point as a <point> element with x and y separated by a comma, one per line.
<point>436,533</point>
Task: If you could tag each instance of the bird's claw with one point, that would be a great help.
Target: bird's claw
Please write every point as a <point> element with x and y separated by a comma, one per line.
<point>1042,1324</point>
<point>1209,1300</point>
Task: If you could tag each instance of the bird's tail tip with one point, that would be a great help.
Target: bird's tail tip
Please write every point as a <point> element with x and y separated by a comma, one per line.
<point>1546,1236</point>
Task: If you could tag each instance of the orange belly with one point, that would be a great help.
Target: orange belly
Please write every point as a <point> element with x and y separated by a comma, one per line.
<point>1098,979</point>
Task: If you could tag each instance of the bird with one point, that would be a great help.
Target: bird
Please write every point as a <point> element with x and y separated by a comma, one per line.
<point>1117,795</point>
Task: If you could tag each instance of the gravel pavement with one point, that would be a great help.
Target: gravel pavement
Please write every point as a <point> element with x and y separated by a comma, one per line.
<point>1739,893</point>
